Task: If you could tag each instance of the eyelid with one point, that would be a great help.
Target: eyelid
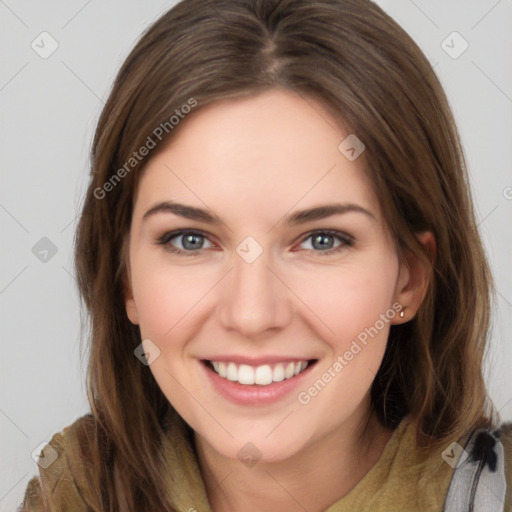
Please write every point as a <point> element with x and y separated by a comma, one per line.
<point>334,232</point>
<point>170,235</point>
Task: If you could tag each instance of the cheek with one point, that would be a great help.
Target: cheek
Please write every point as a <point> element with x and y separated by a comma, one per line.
<point>350,302</point>
<point>349,298</point>
<point>165,295</point>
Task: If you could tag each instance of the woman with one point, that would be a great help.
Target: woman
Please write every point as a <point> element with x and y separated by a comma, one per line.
<point>289,298</point>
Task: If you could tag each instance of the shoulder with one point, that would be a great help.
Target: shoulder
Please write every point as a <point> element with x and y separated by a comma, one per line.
<point>63,465</point>
<point>506,441</point>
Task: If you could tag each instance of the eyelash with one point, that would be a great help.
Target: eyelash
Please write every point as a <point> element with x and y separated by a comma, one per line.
<point>165,239</point>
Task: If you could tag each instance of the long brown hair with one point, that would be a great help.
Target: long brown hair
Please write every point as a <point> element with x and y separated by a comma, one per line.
<point>353,57</point>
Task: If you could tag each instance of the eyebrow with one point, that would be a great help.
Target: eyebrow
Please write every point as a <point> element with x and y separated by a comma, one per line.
<point>297,218</point>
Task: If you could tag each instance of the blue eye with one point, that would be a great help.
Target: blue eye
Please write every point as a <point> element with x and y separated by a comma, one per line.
<point>192,242</point>
<point>322,240</point>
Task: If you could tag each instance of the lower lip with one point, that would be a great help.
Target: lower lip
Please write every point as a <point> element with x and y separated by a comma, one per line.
<point>255,394</point>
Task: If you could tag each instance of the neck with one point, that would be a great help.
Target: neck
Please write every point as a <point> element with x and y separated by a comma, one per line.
<point>312,479</point>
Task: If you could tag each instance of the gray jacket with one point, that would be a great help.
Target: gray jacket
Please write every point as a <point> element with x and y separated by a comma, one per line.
<point>478,483</point>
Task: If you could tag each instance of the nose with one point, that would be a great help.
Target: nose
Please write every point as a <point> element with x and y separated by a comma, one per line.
<point>255,298</point>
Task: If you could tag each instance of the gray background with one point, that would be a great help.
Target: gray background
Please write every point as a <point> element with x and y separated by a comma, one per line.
<point>50,107</point>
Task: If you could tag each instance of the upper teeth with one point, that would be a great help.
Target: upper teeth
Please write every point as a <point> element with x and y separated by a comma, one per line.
<point>262,375</point>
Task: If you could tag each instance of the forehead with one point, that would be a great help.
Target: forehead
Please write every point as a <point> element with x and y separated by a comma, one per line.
<point>259,154</point>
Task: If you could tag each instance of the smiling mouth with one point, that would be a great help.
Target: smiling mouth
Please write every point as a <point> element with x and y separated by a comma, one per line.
<point>262,375</point>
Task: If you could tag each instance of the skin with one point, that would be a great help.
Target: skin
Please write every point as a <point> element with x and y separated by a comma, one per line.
<point>252,162</point>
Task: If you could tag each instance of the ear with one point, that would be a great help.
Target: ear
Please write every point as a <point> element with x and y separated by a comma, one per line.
<point>129,301</point>
<point>414,278</point>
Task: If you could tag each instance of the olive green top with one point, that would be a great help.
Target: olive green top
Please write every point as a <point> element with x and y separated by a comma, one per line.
<point>401,480</point>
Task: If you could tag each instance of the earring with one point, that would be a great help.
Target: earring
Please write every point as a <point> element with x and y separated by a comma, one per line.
<point>402,314</point>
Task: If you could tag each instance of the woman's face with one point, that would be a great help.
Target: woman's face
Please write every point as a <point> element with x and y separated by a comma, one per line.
<point>265,287</point>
